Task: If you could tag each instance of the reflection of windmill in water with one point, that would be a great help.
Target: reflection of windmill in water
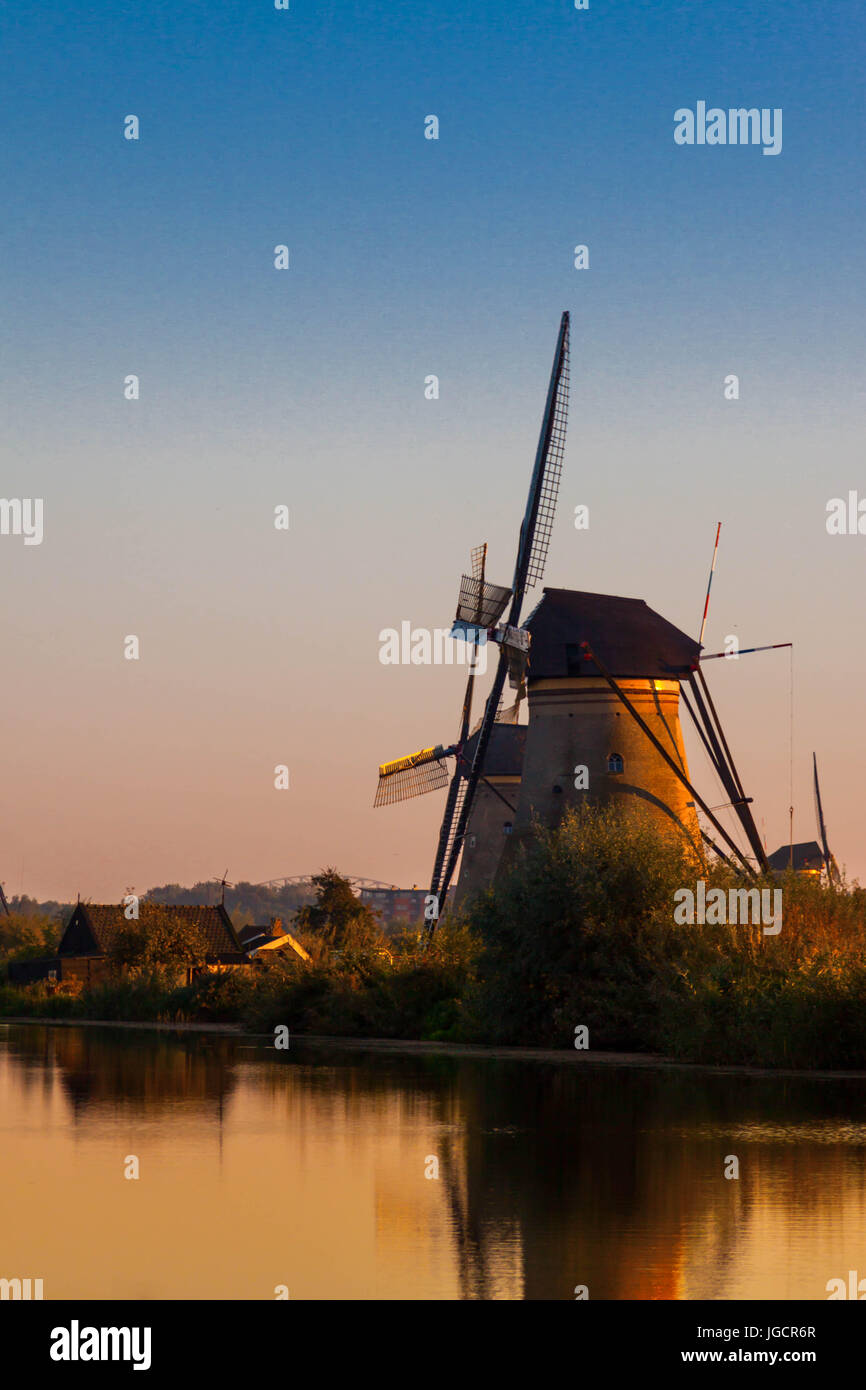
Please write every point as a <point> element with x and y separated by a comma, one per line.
<point>479,607</point>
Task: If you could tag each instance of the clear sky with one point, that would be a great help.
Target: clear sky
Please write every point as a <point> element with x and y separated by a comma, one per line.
<point>305,387</point>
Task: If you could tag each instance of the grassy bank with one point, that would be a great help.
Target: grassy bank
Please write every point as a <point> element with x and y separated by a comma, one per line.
<point>360,991</point>
<point>580,935</point>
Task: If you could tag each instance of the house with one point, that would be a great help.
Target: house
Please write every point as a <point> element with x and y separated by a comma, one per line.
<point>804,858</point>
<point>396,905</point>
<point>274,937</point>
<point>83,955</point>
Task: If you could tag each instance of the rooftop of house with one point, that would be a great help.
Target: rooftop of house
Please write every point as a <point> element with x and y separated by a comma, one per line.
<point>628,636</point>
<point>94,927</point>
<point>274,937</point>
<point>807,855</point>
<point>254,936</point>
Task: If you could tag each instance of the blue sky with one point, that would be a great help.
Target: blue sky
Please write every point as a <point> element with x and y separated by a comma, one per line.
<point>408,257</point>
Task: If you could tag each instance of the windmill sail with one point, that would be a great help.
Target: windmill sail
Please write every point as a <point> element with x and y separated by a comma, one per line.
<point>457,790</point>
<point>426,770</point>
<point>535,531</point>
<point>420,772</point>
<point>479,603</point>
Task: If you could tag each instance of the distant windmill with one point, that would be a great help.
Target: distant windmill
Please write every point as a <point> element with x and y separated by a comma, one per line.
<point>223,883</point>
<point>480,606</point>
<point>829,862</point>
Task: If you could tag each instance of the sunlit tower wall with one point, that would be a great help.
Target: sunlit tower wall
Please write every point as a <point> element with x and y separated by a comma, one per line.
<point>576,721</point>
<point>493,810</point>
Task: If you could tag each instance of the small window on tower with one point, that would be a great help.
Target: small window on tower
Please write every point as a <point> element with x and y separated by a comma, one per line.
<point>575,664</point>
<point>614,763</point>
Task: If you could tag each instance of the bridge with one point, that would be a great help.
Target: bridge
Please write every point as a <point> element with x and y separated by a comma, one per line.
<point>355,880</point>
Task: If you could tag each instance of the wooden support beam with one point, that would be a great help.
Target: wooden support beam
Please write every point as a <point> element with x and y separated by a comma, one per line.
<point>746,814</point>
<point>720,829</point>
<point>732,784</point>
<point>714,847</point>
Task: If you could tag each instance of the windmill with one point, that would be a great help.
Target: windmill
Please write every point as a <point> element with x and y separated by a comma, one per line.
<point>480,605</point>
<point>805,857</point>
<point>829,862</point>
<point>223,883</point>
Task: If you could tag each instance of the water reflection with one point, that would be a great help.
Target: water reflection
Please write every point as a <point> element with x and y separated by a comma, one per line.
<point>308,1169</point>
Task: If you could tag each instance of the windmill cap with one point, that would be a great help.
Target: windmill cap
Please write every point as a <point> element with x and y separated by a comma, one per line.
<point>627,636</point>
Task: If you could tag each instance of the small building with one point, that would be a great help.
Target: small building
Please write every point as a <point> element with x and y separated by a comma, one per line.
<point>804,858</point>
<point>274,937</point>
<point>84,953</point>
<point>396,905</point>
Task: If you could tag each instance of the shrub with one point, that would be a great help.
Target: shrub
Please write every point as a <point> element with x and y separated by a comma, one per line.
<point>582,932</point>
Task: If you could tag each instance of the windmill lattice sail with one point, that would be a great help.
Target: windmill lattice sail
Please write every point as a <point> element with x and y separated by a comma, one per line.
<point>421,772</point>
<point>478,557</point>
<point>480,604</point>
<point>535,532</point>
<point>549,490</point>
<point>427,771</point>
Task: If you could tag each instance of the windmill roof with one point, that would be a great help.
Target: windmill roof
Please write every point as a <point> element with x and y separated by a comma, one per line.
<point>628,636</point>
<point>94,926</point>
<point>807,855</point>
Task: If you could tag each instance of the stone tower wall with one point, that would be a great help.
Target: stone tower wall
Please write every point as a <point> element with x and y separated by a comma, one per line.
<point>580,722</point>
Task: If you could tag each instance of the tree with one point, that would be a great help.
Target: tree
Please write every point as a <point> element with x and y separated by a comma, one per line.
<point>24,934</point>
<point>157,940</point>
<point>337,914</point>
<point>580,930</point>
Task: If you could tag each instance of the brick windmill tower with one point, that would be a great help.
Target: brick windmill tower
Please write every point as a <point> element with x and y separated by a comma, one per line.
<point>582,743</point>
<point>606,679</point>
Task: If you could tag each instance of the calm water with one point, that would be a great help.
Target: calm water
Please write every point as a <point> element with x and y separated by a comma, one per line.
<point>307,1169</point>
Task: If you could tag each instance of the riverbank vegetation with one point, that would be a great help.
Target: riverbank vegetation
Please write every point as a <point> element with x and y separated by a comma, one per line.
<point>579,935</point>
